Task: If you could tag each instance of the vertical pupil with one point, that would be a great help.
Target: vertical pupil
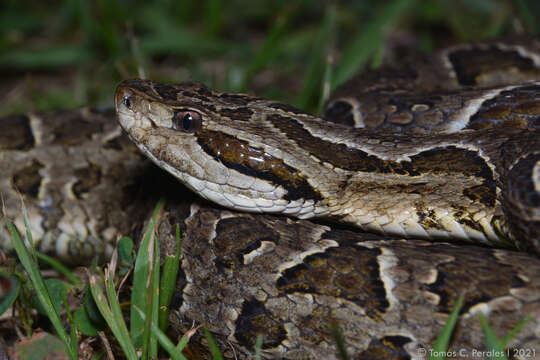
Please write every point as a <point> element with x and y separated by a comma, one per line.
<point>187,122</point>
<point>126,101</point>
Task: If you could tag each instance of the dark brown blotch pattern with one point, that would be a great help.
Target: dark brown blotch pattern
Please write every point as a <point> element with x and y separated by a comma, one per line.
<point>390,347</point>
<point>236,237</point>
<point>469,64</point>
<point>340,112</point>
<point>348,272</point>
<point>16,133</point>
<point>522,201</point>
<point>87,178</point>
<point>28,180</point>
<point>516,108</point>
<point>255,320</point>
<point>239,155</point>
<point>74,130</point>
<point>467,276</point>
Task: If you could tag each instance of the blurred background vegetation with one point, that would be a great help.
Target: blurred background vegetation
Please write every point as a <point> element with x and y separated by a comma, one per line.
<point>65,54</point>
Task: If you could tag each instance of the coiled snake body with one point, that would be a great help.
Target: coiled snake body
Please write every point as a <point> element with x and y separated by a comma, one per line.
<point>444,152</point>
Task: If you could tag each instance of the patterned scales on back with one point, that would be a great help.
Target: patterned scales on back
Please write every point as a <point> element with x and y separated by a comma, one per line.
<point>463,165</point>
<point>84,184</point>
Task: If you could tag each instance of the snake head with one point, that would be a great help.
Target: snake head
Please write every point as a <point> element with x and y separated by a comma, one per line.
<point>218,144</point>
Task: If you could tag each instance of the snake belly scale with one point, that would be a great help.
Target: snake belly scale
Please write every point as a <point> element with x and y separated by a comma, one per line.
<point>443,150</point>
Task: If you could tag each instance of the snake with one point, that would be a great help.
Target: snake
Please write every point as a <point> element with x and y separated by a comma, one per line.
<point>417,184</point>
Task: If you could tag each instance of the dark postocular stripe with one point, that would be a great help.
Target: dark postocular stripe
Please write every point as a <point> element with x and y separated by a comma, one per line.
<point>16,133</point>
<point>346,272</point>
<point>470,63</point>
<point>239,155</point>
<point>437,160</point>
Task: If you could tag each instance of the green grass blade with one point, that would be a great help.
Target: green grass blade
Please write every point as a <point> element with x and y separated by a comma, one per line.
<point>31,250</point>
<point>174,351</point>
<point>327,83</point>
<point>168,283</point>
<point>154,301</point>
<point>493,345</point>
<point>138,55</point>
<point>114,303</point>
<point>514,331</point>
<point>313,74</point>
<point>83,322</point>
<point>441,344</point>
<point>57,290</point>
<point>31,267</point>
<point>72,328</point>
<point>185,338</point>
<point>59,267</point>
<point>258,347</point>
<point>141,284</point>
<point>214,350</point>
<point>115,324</point>
<point>141,280</point>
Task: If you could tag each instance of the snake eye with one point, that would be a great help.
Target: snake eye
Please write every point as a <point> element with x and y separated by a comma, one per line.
<point>126,100</point>
<point>188,121</point>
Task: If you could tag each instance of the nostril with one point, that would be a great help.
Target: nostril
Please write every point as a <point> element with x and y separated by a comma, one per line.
<point>126,100</point>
